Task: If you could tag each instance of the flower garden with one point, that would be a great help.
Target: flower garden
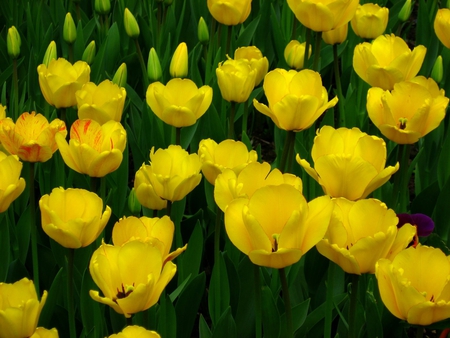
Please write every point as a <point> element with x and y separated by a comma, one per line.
<point>224,168</point>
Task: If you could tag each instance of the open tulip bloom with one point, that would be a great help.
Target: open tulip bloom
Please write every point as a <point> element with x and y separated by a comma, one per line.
<point>11,184</point>
<point>230,12</point>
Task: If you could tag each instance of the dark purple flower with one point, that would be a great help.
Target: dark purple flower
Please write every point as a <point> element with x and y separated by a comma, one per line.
<point>424,224</point>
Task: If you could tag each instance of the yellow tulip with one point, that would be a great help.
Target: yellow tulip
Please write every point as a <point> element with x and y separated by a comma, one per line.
<point>362,232</point>
<point>236,80</point>
<point>179,63</point>
<point>145,193</point>
<point>93,149</point>
<point>276,226</point>
<point>442,26</point>
<point>216,157</point>
<point>414,285</point>
<point>180,103</point>
<point>255,59</point>
<point>370,20</point>
<point>127,285</point>
<point>173,172</point>
<point>60,80</point>
<point>159,231</point>
<point>409,111</point>
<point>294,54</point>
<point>229,185</point>
<point>336,36</point>
<point>31,138</point>
<point>134,331</point>
<point>11,184</point>
<point>44,333</point>
<point>296,99</point>
<point>230,12</point>
<point>387,60</point>
<point>19,309</point>
<point>74,217</point>
<point>348,163</point>
<point>101,103</point>
<point>323,15</point>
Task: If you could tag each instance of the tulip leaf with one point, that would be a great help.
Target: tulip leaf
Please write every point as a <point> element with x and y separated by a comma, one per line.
<point>246,35</point>
<point>440,216</point>
<point>5,250</point>
<point>190,260</point>
<point>226,327</point>
<point>443,168</point>
<point>374,328</point>
<point>23,234</point>
<point>299,314</point>
<point>204,329</point>
<point>219,291</point>
<point>167,321</point>
<point>245,315</point>
<point>55,294</point>
<point>270,316</point>
<point>91,311</point>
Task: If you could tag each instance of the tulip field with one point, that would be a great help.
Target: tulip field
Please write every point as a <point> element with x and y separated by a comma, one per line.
<point>224,168</point>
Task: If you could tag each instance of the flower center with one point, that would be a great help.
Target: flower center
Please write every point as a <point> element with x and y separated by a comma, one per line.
<point>275,242</point>
<point>126,290</point>
<point>402,122</point>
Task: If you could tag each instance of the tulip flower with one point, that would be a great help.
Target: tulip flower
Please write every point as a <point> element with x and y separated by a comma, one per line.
<point>348,163</point>
<point>202,31</point>
<point>236,80</point>
<point>370,21</point>
<point>154,70</point>
<point>276,226</point>
<point>296,99</point>
<point>93,149</point>
<point>19,309</point>
<point>405,11</point>
<point>408,112</point>
<point>179,63</point>
<point>323,15</point>
<point>145,193</point>
<point>362,232</point>
<point>11,184</point>
<point>336,36</point>
<point>294,54</point>
<point>89,53</point>
<point>101,103</point>
<point>230,12</point>
<point>60,80</point>
<point>127,285</point>
<point>134,331</point>
<point>180,103</point>
<point>442,26</point>
<point>13,42</point>
<point>256,60</point>
<point>69,29</point>
<point>74,217</point>
<point>44,333</point>
<point>173,172</point>
<point>31,138</point>
<point>414,285</point>
<point>216,157</point>
<point>230,185</point>
<point>120,77</point>
<point>387,60</point>
<point>131,25</point>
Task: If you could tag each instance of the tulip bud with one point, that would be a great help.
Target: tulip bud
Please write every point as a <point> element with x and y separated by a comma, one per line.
<point>120,78</point>
<point>438,70</point>
<point>89,53</point>
<point>179,63</point>
<point>294,54</point>
<point>69,29</point>
<point>154,70</point>
<point>50,53</point>
<point>133,203</point>
<point>102,7</point>
<point>405,12</point>
<point>13,42</point>
<point>202,31</point>
<point>131,25</point>
<point>168,2</point>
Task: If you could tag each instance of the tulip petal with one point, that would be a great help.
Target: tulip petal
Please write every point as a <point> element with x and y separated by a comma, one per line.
<point>276,260</point>
<point>235,227</point>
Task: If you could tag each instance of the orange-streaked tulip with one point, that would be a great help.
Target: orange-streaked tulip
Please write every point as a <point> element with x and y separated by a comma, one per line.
<point>236,80</point>
<point>11,184</point>
<point>44,333</point>
<point>348,163</point>
<point>230,12</point>
<point>230,186</point>
<point>409,111</point>
<point>442,26</point>
<point>127,285</point>
<point>296,99</point>
<point>19,309</point>
<point>415,286</point>
<point>276,226</point>
<point>134,331</point>
<point>180,103</point>
<point>336,36</point>
<point>60,80</point>
<point>216,157</point>
<point>93,149</point>
<point>323,15</point>
<point>362,232</point>
<point>387,60</point>
<point>294,54</point>
<point>101,103</point>
<point>31,138</point>
<point>370,20</point>
<point>256,60</point>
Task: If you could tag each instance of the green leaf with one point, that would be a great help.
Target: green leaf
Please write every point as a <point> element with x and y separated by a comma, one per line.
<point>54,294</point>
<point>167,320</point>
<point>5,250</point>
<point>204,330</point>
<point>191,259</point>
<point>219,291</point>
<point>247,34</point>
<point>373,320</point>
<point>226,327</point>
<point>23,234</point>
<point>91,311</point>
<point>270,315</point>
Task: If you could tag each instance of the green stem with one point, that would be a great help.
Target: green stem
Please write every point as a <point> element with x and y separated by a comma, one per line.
<point>329,301</point>
<point>287,303</point>
<point>130,320</point>
<point>63,118</point>
<point>317,51</point>
<point>229,33</point>
<point>231,120</point>
<point>217,234</point>
<point>400,190</point>
<point>143,68</point>
<point>34,249</point>
<point>70,297</point>
<point>71,52</point>
<point>352,309</point>
<point>177,136</point>
<point>288,151</point>
<point>169,209</point>
<point>245,118</point>
<point>337,77</point>
<point>15,108</point>
<point>258,303</point>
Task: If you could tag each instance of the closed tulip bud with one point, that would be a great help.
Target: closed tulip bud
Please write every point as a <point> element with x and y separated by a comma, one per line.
<point>154,70</point>
<point>405,12</point>
<point>179,62</point>
<point>203,32</point>
<point>370,21</point>
<point>102,7</point>
<point>89,53</point>
<point>230,12</point>
<point>336,36</point>
<point>236,80</point>
<point>294,54</point>
<point>131,25</point>
<point>50,53</point>
<point>13,42</point>
<point>133,203</point>
<point>69,29</point>
<point>442,26</point>
<point>120,78</point>
<point>134,331</point>
<point>437,72</point>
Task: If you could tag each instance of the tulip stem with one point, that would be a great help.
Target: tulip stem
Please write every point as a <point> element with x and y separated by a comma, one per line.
<point>401,191</point>
<point>337,77</point>
<point>177,136</point>
<point>143,68</point>
<point>71,53</point>
<point>317,51</point>
<point>217,235</point>
<point>258,306</point>
<point>229,33</point>
<point>352,308</point>
<point>70,303</point>
<point>288,151</point>
<point>329,301</point>
<point>287,303</point>
<point>245,118</point>
<point>34,249</point>
<point>231,120</point>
